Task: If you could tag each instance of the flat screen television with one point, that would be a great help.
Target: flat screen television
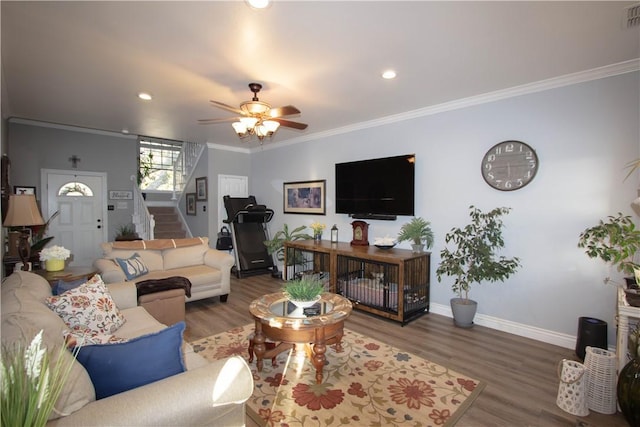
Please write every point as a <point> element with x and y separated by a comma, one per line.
<point>376,188</point>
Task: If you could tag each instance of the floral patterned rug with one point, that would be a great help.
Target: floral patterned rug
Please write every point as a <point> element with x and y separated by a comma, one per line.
<point>369,383</point>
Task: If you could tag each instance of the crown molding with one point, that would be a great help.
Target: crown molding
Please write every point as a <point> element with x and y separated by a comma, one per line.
<point>214,146</point>
<point>619,68</point>
<point>70,128</point>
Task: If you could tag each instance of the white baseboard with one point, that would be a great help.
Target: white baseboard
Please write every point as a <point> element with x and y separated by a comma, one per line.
<point>527,331</point>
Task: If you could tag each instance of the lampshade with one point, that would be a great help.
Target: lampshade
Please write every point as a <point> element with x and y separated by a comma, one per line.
<point>23,211</point>
<point>635,205</point>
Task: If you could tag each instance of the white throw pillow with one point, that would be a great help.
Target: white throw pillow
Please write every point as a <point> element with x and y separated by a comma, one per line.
<point>89,306</point>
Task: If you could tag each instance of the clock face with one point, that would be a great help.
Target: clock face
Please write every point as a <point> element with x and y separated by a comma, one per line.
<point>509,165</point>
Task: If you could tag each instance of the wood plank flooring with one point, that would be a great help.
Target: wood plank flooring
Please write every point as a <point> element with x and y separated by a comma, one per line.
<point>520,374</point>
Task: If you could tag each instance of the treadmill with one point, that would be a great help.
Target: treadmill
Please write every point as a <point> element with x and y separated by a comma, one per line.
<point>248,221</point>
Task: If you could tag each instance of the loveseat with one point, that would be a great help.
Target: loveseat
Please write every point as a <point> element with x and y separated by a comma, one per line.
<point>205,394</point>
<point>208,270</point>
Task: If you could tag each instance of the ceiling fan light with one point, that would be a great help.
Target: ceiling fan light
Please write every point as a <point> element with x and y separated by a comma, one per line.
<point>255,107</point>
<point>261,131</point>
<point>249,122</point>
<point>271,125</point>
<point>240,128</point>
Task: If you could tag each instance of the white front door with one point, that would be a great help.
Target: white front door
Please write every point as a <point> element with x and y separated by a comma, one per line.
<point>233,186</point>
<point>80,226</point>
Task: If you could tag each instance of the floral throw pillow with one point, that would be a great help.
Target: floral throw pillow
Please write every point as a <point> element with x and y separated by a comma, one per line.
<point>88,306</point>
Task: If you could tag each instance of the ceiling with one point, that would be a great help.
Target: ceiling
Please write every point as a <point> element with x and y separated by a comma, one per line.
<point>83,63</point>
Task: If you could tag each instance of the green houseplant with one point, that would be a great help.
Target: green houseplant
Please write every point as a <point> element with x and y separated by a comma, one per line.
<point>126,232</point>
<point>474,259</point>
<point>418,231</point>
<point>275,246</point>
<point>303,289</point>
<point>615,241</point>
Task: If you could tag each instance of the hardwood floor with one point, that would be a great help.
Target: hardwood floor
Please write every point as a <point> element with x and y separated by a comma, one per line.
<point>520,374</point>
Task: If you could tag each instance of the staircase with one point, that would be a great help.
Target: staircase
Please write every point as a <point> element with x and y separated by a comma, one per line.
<point>168,224</point>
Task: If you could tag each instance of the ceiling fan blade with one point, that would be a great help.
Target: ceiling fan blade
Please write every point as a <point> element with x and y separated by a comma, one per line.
<point>227,107</point>
<point>287,110</point>
<point>290,124</point>
<point>213,121</point>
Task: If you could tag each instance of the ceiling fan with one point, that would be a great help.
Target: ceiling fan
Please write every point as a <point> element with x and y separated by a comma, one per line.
<point>257,117</point>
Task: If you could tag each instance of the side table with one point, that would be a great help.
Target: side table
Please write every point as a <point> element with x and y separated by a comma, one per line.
<point>68,274</point>
<point>625,311</point>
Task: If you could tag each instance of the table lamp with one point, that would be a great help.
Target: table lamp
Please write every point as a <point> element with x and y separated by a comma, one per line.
<point>23,211</point>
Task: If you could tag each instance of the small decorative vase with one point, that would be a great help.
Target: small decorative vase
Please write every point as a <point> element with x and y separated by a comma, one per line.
<point>417,248</point>
<point>317,237</point>
<point>629,392</point>
<point>305,304</point>
<point>54,264</point>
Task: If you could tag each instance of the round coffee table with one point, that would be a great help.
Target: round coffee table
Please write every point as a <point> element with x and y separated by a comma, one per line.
<point>280,321</point>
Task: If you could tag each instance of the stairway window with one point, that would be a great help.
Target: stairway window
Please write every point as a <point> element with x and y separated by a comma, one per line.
<point>156,163</point>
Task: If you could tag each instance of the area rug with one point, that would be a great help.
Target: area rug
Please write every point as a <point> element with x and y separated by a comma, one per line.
<point>369,383</point>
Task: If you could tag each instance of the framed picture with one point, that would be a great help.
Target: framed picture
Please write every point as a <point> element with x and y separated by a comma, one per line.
<point>191,203</point>
<point>21,189</point>
<point>201,189</point>
<point>305,197</point>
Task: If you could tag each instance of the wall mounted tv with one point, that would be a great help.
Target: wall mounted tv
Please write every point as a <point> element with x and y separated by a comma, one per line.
<point>376,188</point>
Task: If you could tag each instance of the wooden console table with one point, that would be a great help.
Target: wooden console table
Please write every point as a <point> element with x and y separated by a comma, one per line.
<point>391,283</point>
<point>625,311</point>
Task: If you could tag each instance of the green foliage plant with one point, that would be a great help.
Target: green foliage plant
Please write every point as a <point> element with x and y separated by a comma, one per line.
<point>615,241</point>
<point>125,230</point>
<point>418,230</point>
<point>474,258</point>
<point>304,289</point>
<point>145,167</point>
<point>276,244</point>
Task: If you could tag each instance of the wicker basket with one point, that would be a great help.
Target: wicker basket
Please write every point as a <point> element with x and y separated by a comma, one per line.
<point>572,393</point>
<point>601,380</point>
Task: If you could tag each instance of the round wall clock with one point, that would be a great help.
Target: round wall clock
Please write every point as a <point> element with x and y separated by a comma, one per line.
<point>509,165</point>
<point>360,233</point>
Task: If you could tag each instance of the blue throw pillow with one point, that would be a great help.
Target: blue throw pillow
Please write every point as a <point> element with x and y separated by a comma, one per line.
<point>119,367</point>
<point>61,286</point>
<point>132,266</point>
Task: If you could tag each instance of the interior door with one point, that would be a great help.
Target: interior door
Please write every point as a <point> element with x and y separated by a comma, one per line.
<point>81,200</point>
<point>230,185</point>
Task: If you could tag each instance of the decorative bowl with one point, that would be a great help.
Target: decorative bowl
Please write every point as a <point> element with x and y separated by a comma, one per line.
<point>385,246</point>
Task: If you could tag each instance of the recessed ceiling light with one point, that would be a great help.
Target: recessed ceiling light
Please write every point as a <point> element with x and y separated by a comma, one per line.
<point>389,74</point>
<point>125,131</point>
<point>145,96</point>
<point>259,4</point>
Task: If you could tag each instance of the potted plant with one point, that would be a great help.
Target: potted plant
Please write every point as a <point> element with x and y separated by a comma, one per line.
<point>303,292</point>
<point>615,241</point>
<point>126,232</point>
<point>419,232</point>
<point>54,257</point>
<point>144,170</point>
<point>276,245</point>
<point>474,260</point>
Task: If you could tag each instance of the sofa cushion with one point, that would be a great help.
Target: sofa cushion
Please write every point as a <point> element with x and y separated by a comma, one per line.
<point>115,368</point>
<point>152,258</point>
<point>88,306</point>
<point>133,266</point>
<point>184,257</point>
<point>33,283</point>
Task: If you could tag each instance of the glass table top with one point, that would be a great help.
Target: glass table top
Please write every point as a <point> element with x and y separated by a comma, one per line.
<point>276,310</point>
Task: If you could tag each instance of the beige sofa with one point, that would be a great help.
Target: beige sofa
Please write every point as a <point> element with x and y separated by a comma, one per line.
<point>205,394</point>
<point>209,270</point>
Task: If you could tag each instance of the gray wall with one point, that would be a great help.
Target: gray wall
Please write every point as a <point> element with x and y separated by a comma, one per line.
<point>584,134</point>
<point>213,162</point>
<point>32,148</point>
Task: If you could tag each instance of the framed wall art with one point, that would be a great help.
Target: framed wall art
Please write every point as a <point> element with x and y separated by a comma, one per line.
<point>21,189</point>
<point>191,203</point>
<point>201,189</point>
<point>305,197</point>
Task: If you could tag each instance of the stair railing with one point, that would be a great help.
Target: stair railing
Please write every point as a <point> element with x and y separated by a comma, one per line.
<point>143,221</point>
<point>184,166</point>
